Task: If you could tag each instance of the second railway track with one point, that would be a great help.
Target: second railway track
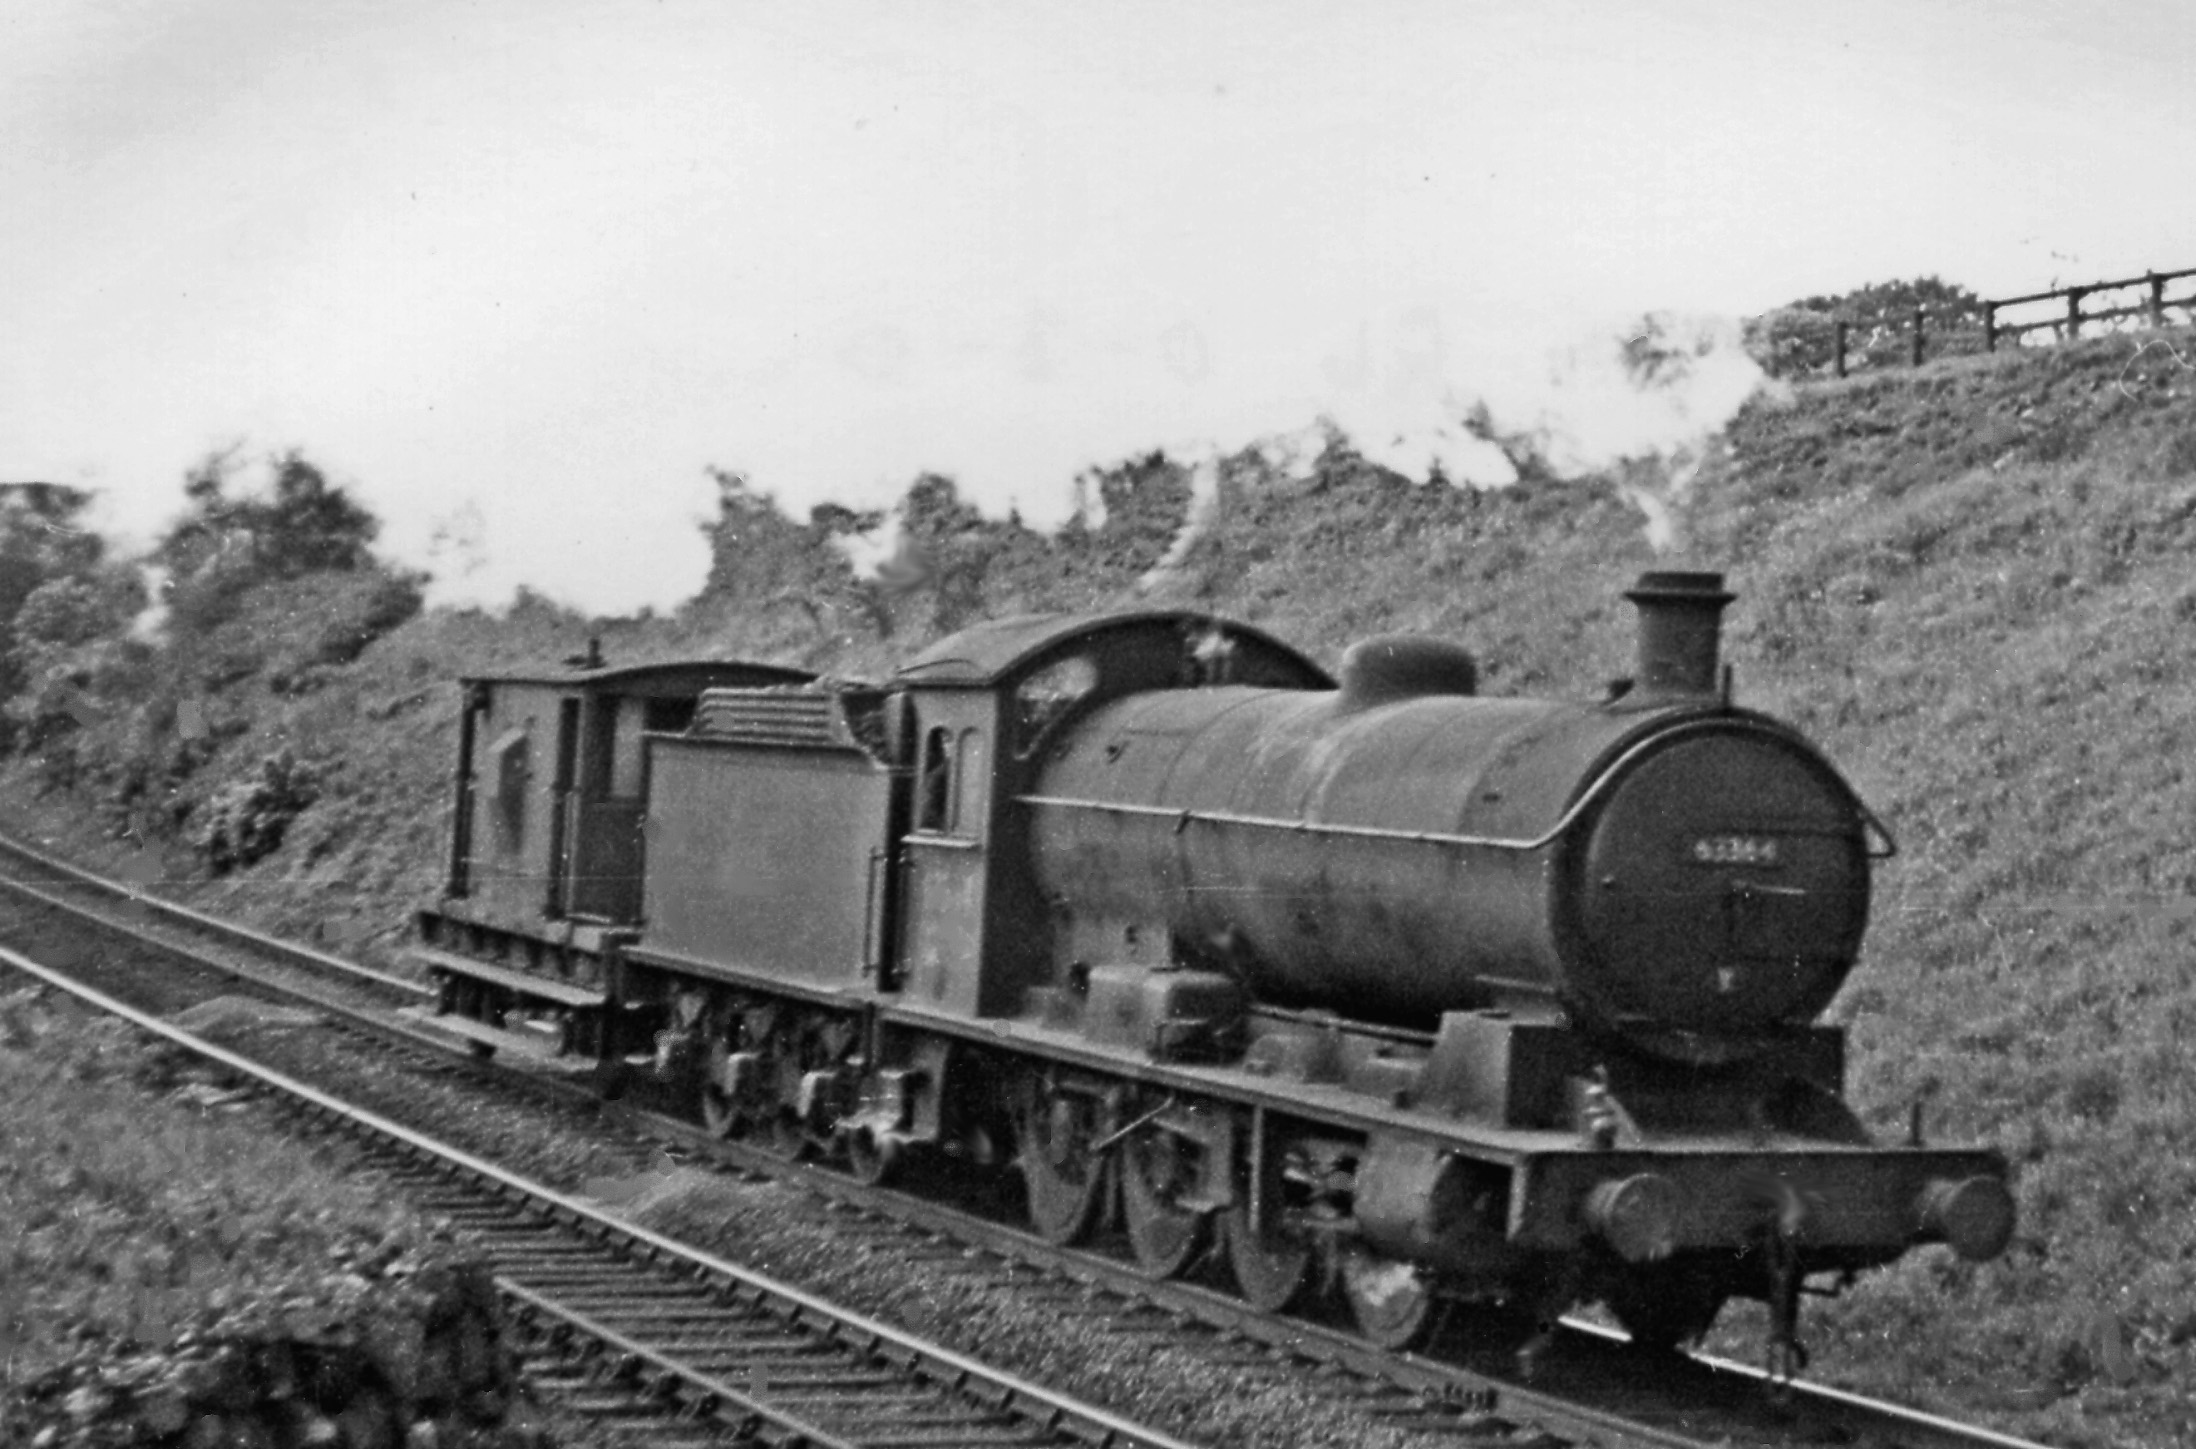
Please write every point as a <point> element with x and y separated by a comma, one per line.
<point>717,1353</point>
<point>1596,1399</point>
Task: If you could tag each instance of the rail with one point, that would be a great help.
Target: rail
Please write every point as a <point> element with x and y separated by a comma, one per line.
<point>214,927</point>
<point>1052,1418</point>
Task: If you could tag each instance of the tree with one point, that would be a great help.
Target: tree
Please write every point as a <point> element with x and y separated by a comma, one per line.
<point>1801,337</point>
<point>311,525</point>
<point>948,547</point>
<point>1946,303</point>
<point>224,543</point>
<point>42,538</point>
<point>305,525</point>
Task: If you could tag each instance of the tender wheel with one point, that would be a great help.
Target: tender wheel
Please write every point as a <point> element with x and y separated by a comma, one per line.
<point>476,1003</point>
<point>579,1033</point>
<point>719,1116</point>
<point>1156,1171</point>
<point>721,1112</point>
<point>779,1126</point>
<point>1391,1301</point>
<point>1666,1308</point>
<point>1062,1177</point>
<point>788,1137</point>
<point>873,1159</point>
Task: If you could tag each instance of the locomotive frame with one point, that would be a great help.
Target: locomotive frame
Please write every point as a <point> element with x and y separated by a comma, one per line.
<point>972,912</point>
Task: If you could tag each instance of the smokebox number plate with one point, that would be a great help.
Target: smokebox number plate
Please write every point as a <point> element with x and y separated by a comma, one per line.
<point>1734,850</point>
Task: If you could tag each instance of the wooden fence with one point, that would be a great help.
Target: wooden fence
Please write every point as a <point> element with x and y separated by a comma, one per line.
<point>2152,308</point>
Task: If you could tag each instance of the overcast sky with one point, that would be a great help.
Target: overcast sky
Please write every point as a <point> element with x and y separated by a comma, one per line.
<point>521,271</point>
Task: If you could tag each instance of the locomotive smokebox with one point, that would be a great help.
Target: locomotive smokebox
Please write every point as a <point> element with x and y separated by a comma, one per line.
<point>1680,626</point>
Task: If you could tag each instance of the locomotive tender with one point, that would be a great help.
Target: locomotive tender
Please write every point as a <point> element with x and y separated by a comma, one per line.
<point>1379,984</point>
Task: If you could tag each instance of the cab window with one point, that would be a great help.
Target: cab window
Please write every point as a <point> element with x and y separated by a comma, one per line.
<point>968,782</point>
<point>934,805</point>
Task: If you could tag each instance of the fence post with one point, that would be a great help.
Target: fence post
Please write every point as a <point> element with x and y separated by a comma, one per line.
<point>2073,313</point>
<point>1917,336</point>
<point>2157,299</point>
<point>1841,326</point>
<point>1990,327</point>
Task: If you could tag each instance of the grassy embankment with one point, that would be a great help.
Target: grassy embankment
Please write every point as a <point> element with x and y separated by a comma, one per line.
<point>1969,582</point>
<point>136,1208</point>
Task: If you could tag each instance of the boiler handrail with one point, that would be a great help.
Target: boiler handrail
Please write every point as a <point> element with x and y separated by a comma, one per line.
<point>1183,819</point>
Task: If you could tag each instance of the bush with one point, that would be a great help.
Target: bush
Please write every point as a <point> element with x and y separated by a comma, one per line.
<point>246,819</point>
<point>1792,341</point>
<point>1800,340</point>
<point>2177,456</point>
<point>69,653</point>
<point>339,615</point>
<point>171,1275</point>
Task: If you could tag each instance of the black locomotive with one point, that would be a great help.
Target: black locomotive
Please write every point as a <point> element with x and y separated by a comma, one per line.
<point>1376,984</point>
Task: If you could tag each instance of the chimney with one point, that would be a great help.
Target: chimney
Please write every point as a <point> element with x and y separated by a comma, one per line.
<point>1679,629</point>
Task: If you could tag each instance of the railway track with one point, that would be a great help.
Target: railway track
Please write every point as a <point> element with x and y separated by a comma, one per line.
<point>655,1334</point>
<point>1595,1392</point>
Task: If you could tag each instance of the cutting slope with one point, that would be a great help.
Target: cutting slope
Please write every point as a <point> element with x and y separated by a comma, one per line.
<point>1972,582</point>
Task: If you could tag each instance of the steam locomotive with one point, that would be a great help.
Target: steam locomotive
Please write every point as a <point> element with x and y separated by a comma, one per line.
<point>1375,986</point>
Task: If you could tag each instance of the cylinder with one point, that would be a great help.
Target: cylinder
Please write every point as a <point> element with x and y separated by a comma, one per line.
<point>1636,1216</point>
<point>1973,1215</point>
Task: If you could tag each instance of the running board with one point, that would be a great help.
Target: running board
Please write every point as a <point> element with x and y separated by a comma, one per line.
<point>535,1044</point>
<point>519,983</point>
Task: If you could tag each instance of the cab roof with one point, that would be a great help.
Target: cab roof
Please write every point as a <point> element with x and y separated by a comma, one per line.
<point>985,654</point>
<point>677,676</point>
